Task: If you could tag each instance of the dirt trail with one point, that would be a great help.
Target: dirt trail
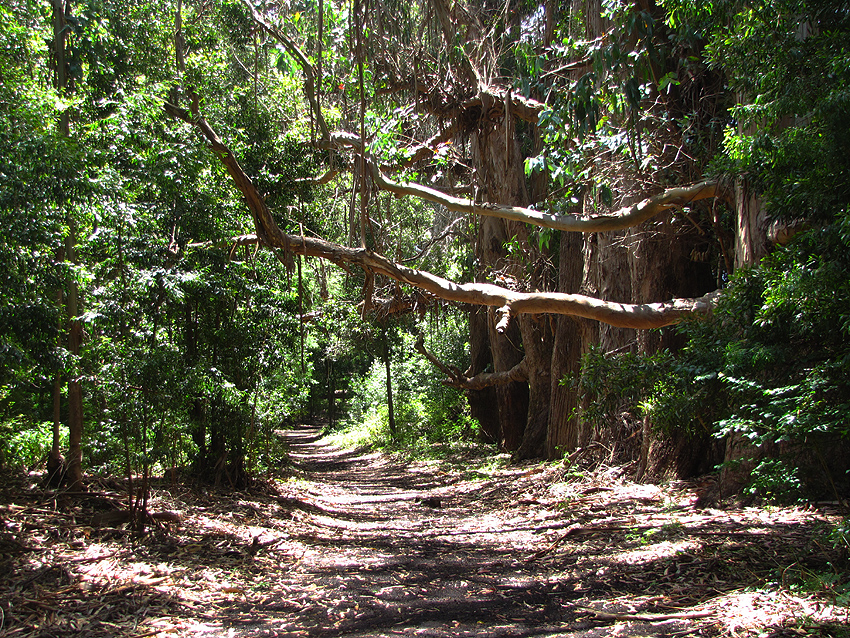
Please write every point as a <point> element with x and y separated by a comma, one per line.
<point>430,549</point>
<point>411,549</point>
<point>359,544</point>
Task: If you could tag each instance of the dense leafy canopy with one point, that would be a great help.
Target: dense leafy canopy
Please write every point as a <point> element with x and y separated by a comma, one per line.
<point>198,345</point>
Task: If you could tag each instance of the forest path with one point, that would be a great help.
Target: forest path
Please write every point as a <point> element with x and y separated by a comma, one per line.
<point>363,544</point>
<point>454,548</point>
<point>394,548</point>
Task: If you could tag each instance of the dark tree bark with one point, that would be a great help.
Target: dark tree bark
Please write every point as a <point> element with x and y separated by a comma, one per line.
<point>483,404</point>
<point>564,419</point>
<point>331,393</point>
<point>512,398</point>
<point>55,460</point>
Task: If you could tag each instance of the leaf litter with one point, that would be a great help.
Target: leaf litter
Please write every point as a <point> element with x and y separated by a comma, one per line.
<point>355,543</point>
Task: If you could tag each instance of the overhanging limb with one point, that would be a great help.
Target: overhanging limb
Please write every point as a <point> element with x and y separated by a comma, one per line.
<point>652,315</point>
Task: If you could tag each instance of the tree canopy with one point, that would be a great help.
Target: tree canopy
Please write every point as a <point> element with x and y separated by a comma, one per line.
<point>552,224</point>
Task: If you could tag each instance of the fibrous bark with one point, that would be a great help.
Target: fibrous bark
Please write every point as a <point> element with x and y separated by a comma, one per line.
<point>648,315</point>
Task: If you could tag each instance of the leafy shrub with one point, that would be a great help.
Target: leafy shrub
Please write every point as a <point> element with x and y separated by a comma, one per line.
<point>770,364</point>
<point>26,444</point>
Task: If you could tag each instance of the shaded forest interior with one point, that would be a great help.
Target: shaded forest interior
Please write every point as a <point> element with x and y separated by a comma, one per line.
<point>602,241</point>
<point>358,543</point>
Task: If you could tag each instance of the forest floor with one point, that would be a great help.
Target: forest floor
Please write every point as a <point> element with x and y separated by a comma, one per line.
<point>357,543</point>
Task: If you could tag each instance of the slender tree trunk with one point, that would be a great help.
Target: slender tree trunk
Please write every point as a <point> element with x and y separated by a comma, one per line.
<point>386,352</point>
<point>55,460</point>
<point>331,394</point>
<point>179,55</point>
<point>75,389</point>
<point>61,79</point>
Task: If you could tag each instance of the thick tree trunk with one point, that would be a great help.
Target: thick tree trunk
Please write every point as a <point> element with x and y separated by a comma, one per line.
<point>483,404</point>
<point>661,263</point>
<point>537,341</point>
<point>751,242</point>
<point>512,398</point>
<point>564,419</point>
<point>499,168</point>
<point>615,282</point>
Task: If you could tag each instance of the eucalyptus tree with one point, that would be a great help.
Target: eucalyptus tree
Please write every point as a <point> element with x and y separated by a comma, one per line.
<point>774,359</point>
<point>557,170</point>
<point>462,103</point>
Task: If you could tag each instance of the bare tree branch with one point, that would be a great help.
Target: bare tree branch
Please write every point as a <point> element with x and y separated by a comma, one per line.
<point>457,379</point>
<point>627,217</point>
<point>624,218</point>
<point>654,315</point>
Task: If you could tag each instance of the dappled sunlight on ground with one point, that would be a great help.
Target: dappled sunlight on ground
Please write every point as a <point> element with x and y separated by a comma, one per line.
<point>363,544</point>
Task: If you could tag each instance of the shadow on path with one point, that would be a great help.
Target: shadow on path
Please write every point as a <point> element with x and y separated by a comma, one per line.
<point>416,549</point>
<point>357,544</point>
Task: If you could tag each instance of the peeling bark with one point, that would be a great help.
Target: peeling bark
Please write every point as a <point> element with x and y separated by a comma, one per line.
<point>648,315</point>
<point>626,217</point>
<point>566,356</point>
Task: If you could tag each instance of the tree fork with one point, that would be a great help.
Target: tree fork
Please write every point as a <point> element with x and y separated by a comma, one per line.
<point>456,379</point>
<point>641,316</point>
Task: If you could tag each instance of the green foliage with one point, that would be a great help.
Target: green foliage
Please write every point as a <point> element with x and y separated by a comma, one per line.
<point>839,536</point>
<point>187,356</point>
<point>193,352</point>
<point>426,411</point>
<point>771,363</point>
<point>611,386</point>
<point>25,444</point>
<point>787,61</point>
<point>637,95</point>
